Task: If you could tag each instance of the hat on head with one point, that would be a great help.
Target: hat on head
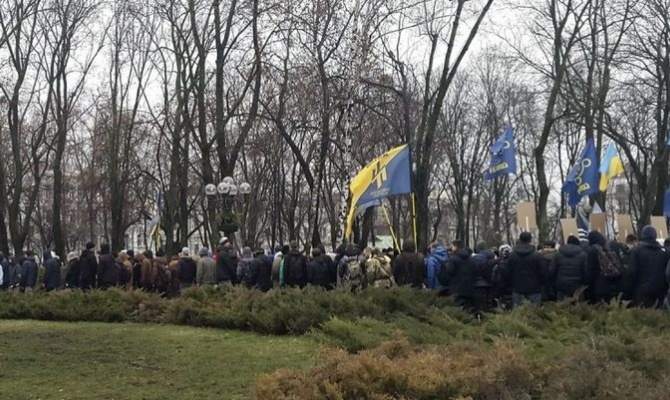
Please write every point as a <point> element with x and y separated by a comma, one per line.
<point>224,240</point>
<point>185,252</point>
<point>573,240</point>
<point>204,252</point>
<point>72,256</point>
<point>90,246</point>
<point>648,233</point>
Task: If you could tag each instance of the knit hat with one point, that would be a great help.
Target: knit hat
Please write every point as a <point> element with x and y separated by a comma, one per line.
<point>185,252</point>
<point>648,234</point>
<point>72,256</point>
<point>224,240</point>
<point>204,252</point>
<point>573,240</point>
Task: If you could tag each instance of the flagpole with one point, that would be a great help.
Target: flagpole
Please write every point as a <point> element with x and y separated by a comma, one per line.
<point>388,221</point>
<point>416,244</point>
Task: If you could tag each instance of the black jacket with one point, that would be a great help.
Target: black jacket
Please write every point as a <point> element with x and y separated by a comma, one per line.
<point>6,279</point>
<point>409,269</point>
<point>318,273</point>
<point>462,274</point>
<point>187,270</point>
<point>73,273</point>
<point>295,269</point>
<point>484,262</point>
<point>526,270</point>
<point>51,272</point>
<point>107,272</point>
<point>568,271</point>
<point>29,272</point>
<point>263,267</point>
<point>646,280</point>
<point>88,266</point>
<point>226,267</point>
<point>601,288</point>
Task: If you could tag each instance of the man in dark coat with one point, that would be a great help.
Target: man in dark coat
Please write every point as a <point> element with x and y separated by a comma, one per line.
<point>28,273</point>
<point>295,267</point>
<point>601,288</point>
<point>568,270</point>
<point>226,266</point>
<point>318,273</point>
<point>263,267</point>
<point>187,270</point>
<point>646,280</point>
<point>107,272</point>
<point>484,260</point>
<point>462,276</point>
<point>409,267</point>
<point>526,271</point>
<point>51,271</point>
<point>88,265</point>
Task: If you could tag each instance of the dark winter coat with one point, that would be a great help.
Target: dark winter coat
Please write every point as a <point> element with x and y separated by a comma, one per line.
<point>226,267</point>
<point>601,288</point>
<point>108,274</point>
<point>187,271</point>
<point>526,270</point>
<point>264,271</point>
<point>462,274</point>
<point>318,273</point>
<point>568,270</point>
<point>51,272</point>
<point>15,267</point>
<point>484,263</point>
<point>88,267</point>
<point>73,273</point>
<point>646,279</point>
<point>29,272</point>
<point>295,269</point>
<point>409,268</point>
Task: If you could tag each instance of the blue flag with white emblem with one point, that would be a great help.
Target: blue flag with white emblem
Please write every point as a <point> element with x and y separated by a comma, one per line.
<point>584,178</point>
<point>503,160</point>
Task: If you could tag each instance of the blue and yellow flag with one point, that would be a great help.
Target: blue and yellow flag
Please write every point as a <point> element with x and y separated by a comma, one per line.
<point>610,166</point>
<point>503,160</point>
<point>387,175</point>
<point>583,179</point>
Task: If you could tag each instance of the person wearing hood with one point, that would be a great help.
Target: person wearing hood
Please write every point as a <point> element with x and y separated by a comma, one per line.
<point>206,274</point>
<point>28,273</point>
<point>484,260</point>
<point>246,271</point>
<point>187,270</point>
<point>263,268</point>
<point>408,266</point>
<point>601,288</point>
<point>107,272</point>
<point>88,267</point>
<point>646,279</point>
<point>436,260</point>
<point>526,272</point>
<point>73,271</point>
<point>51,271</point>
<point>502,292</point>
<point>461,275</point>
<point>568,270</point>
<point>295,267</point>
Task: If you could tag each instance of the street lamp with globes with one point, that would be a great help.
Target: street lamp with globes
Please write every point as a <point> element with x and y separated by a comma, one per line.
<point>220,201</point>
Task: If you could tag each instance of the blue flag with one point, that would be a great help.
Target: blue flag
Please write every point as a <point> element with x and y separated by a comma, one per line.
<point>668,142</point>
<point>584,177</point>
<point>666,204</point>
<point>503,160</point>
<point>387,175</point>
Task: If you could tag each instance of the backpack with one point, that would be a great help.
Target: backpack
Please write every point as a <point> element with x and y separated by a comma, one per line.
<point>248,275</point>
<point>442,276</point>
<point>354,275</point>
<point>610,264</point>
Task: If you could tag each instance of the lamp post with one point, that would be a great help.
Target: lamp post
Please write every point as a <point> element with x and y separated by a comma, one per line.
<point>220,202</point>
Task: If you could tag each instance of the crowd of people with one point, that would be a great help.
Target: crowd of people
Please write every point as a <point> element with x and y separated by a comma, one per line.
<point>479,280</point>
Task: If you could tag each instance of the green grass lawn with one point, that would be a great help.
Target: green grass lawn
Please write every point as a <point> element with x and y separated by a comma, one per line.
<point>54,360</point>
